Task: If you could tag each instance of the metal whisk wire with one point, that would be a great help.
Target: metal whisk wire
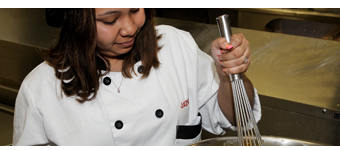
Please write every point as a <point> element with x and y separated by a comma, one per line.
<point>247,131</point>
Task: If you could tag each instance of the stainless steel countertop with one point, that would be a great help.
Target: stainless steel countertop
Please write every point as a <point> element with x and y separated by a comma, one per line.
<point>26,26</point>
<point>300,69</point>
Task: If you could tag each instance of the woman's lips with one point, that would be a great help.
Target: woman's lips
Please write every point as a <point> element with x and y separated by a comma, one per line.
<point>127,44</point>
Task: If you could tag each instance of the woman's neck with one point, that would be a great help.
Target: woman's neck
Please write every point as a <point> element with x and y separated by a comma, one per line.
<point>116,65</point>
<point>116,62</point>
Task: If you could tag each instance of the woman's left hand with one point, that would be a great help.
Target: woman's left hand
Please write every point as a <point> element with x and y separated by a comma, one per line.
<point>233,57</point>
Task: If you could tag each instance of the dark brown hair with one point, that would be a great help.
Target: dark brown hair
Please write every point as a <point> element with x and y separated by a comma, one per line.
<point>79,66</point>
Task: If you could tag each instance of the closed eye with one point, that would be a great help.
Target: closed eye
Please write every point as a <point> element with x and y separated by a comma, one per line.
<point>134,10</point>
<point>110,23</point>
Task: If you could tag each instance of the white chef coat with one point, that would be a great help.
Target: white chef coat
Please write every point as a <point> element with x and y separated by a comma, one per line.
<point>150,111</point>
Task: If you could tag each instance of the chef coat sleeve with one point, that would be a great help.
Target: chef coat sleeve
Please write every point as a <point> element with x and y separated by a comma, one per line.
<point>28,122</point>
<point>213,120</point>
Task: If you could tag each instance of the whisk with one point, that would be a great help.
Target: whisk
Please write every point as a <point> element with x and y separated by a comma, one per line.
<point>247,131</point>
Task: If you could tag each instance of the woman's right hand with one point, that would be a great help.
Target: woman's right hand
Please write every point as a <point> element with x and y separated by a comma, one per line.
<point>233,57</point>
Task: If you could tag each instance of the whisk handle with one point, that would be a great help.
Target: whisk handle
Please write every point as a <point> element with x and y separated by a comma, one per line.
<point>223,24</point>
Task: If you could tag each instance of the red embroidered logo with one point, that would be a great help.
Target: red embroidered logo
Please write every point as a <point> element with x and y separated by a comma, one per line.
<point>185,103</point>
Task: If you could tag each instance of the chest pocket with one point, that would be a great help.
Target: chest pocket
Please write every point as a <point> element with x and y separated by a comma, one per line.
<point>189,134</point>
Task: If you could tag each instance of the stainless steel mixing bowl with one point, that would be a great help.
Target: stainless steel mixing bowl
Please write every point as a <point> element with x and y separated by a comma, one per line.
<point>267,141</point>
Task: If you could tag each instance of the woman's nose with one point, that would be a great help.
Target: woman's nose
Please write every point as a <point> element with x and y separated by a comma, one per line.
<point>129,27</point>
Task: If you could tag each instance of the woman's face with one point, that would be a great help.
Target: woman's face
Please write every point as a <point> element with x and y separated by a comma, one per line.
<point>117,29</point>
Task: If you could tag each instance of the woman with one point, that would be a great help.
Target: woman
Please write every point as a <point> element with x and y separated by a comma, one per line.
<point>114,78</point>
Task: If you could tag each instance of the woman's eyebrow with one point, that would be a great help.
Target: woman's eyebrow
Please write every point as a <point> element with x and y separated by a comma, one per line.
<point>109,12</point>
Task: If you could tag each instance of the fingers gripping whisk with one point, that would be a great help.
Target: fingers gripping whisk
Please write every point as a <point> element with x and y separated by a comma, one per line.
<point>247,130</point>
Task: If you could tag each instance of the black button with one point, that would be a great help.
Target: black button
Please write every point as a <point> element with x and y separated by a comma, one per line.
<point>159,113</point>
<point>107,81</point>
<point>119,124</point>
<point>140,69</point>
